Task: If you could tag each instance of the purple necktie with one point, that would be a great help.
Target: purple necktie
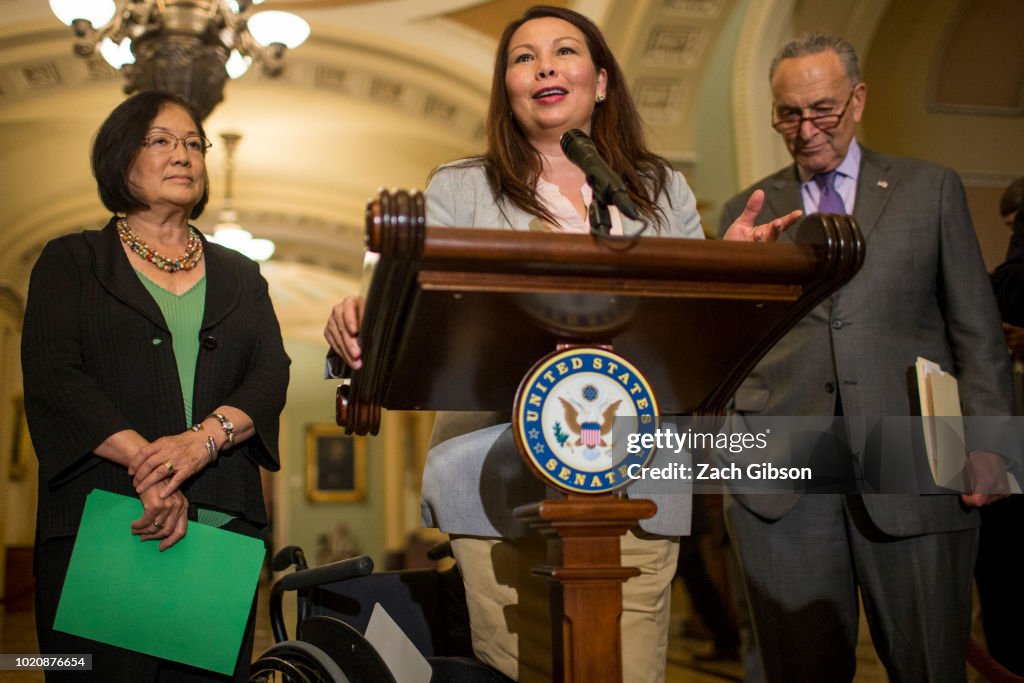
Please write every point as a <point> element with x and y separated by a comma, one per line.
<point>830,201</point>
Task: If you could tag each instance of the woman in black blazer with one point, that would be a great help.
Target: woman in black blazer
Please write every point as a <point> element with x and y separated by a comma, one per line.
<point>153,367</point>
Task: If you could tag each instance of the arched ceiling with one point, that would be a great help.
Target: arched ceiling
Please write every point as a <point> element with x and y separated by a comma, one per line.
<point>346,117</point>
<point>382,92</point>
<point>982,37</point>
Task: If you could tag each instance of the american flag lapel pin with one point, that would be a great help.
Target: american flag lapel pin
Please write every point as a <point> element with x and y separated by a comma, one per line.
<point>884,184</point>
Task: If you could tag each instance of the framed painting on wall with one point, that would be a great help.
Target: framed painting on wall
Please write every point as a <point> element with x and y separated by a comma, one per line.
<point>335,465</point>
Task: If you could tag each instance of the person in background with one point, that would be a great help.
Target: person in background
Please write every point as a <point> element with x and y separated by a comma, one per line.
<point>553,72</point>
<point>1006,276</point>
<point>709,605</point>
<point>153,367</point>
<point>922,291</point>
<point>997,572</point>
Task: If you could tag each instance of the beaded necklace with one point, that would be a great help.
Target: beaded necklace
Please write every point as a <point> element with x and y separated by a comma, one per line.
<point>187,261</point>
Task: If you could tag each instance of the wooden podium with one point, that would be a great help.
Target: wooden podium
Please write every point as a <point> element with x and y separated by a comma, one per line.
<point>455,317</point>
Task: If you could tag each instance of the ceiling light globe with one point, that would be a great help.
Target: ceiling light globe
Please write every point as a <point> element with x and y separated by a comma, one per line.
<point>96,12</point>
<point>274,26</point>
<point>117,55</point>
<point>259,249</point>
<point>230,235</point>
<point>237,65</point>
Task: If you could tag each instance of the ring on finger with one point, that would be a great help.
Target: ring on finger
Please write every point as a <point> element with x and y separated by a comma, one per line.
<point>158,525</point>
<point>170,466</point>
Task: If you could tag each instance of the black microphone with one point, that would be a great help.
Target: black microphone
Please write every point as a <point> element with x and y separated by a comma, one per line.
<point>606,183</point>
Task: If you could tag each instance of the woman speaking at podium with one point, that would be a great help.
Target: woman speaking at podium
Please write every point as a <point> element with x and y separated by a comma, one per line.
<point>553,73</point>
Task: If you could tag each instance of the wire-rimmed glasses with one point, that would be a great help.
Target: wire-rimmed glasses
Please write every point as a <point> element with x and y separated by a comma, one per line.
<point>166,143</point>
<point>793,120</point>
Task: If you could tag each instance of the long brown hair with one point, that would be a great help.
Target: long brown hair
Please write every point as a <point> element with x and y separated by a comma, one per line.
<point>513,165</point>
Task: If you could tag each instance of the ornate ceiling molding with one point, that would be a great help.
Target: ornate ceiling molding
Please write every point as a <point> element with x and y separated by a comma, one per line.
<point>756,143</point>
<point>664,47</point>
<point>391,85</point>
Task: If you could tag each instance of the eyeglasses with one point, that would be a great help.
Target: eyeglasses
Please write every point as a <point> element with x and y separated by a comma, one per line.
<point>166,143</point>
<point>792,121</point>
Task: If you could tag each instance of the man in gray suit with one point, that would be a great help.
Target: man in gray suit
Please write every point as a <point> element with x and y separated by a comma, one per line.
<point>922,291</point>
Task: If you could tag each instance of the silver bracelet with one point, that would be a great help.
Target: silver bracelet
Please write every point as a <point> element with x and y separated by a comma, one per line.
<point>227,426</point>
<point>211,448</point>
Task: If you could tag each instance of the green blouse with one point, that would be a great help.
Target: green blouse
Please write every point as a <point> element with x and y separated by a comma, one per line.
<point>184,316</point>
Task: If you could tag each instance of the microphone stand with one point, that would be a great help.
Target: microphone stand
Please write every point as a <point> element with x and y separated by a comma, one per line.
<point>600,218</point>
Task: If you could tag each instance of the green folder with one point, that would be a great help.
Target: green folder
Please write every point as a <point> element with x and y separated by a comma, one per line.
<point>189,604</point>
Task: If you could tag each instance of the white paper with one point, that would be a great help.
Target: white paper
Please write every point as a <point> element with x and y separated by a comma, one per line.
<point>406,663</point>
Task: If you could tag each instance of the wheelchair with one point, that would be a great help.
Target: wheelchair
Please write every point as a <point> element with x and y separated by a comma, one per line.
<point>334,603</point>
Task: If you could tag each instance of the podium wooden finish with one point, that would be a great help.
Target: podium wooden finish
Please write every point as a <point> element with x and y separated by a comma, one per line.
<point>586,580</point>
<point>455,317</point>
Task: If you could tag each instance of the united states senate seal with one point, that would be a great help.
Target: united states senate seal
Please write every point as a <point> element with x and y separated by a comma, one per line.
<point>573,413</point>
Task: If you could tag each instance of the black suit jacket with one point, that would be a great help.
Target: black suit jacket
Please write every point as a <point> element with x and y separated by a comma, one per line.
<point>97,359</point>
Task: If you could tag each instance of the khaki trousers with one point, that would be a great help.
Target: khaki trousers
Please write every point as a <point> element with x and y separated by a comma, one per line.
<point>509,611</point>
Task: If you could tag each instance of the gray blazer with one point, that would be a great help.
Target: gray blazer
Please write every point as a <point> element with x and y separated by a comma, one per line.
<point>474,476</point>
<point>922,291</point>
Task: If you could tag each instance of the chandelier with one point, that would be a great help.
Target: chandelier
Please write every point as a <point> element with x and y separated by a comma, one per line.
<point>186,47</point>
<point>227,231</point>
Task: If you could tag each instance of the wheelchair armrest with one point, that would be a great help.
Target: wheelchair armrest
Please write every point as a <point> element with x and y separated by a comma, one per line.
<point>329,573</point>
<point>303,579</point>
<point>288,556</point>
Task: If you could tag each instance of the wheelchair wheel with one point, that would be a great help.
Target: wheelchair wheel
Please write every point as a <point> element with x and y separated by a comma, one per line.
<point>345,645</point>
<point>295,661</point>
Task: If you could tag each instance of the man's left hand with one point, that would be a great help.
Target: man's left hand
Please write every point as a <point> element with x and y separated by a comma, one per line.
<point>984,479</point>
<point>1014,338</point>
